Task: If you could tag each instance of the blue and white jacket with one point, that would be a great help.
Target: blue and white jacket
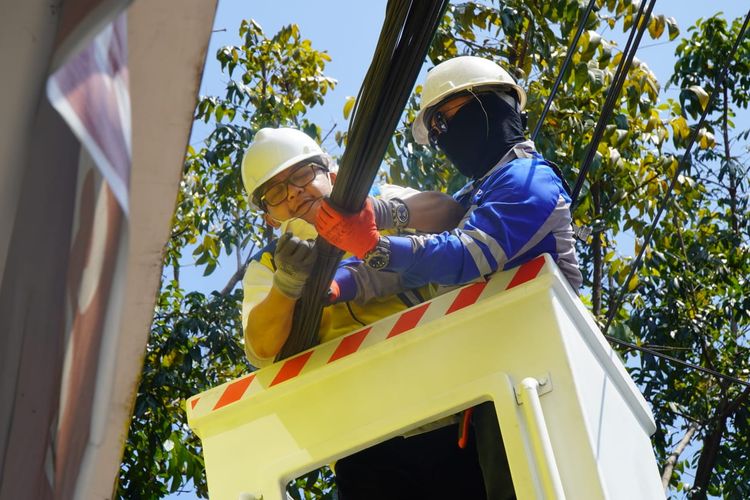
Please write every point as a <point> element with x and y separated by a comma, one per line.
<point>516,212</point>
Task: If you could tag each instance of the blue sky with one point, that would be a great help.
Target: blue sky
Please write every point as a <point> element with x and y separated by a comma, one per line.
<point>348,32</point>
<point>333,25</point>
<point>336,26</point>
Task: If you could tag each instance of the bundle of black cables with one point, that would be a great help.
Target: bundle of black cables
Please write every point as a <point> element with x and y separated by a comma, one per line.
<point>407,31</point>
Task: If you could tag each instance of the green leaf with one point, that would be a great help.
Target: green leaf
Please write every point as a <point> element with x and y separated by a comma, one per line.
<point>596,77</point>
<point>680,127</point>
<point>581,74</point>
<point>628,20</point>
<point>656,26</point>
<point>633,283</point>
<point>590,41</point>
<point>623,332</point>
<point>348,106</point>
<point>706,139</point>
<point>701,94</point>
<point>674,30</point>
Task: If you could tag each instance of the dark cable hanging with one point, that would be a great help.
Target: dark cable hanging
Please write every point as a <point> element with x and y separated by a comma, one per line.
<point>407,31</point>
<point>566,63</point>
<point>678,171</point>
<point>618,81</point>
<point>692,366</point>
<point>639,27</point>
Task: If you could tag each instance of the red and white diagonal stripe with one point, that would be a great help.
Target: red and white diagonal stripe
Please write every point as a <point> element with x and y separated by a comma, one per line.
<point>305,362</point>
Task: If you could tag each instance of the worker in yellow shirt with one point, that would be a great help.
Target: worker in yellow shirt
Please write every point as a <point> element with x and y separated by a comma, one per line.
<point>287,175</point>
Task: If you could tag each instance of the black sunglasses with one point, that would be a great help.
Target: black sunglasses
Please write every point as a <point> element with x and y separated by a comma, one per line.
<point>438,127</point>
<point>439,122</point>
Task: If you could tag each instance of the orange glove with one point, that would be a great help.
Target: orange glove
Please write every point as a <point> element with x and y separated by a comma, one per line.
<point>354,233</point>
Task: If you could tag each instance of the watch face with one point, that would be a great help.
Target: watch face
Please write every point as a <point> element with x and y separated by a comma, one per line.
<point>378,257</point>
<point>377,261</point>
<point>402,215</point>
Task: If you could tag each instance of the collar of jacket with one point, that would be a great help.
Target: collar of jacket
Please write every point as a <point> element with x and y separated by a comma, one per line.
<point>525,149</point>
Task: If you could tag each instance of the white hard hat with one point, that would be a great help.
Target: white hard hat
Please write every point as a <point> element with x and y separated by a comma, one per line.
<point>455,75</point>
<point>274,150</point>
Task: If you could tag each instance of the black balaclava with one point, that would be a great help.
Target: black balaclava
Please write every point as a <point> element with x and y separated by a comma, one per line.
<point>480,134</point>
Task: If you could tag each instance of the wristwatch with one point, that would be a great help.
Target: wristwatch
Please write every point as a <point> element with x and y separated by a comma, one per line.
<point>380,255</point>
<point>400,213</point>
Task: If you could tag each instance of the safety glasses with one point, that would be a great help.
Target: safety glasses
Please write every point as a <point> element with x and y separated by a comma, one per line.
<point>441,117</point>
<point>438,127</point>
<point>277,193</point>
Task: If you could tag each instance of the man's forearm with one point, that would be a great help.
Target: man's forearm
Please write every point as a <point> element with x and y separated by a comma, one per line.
<point>269,324</point>
<point>433,212</point>
<point>361,283</point>
<point>448,258</point>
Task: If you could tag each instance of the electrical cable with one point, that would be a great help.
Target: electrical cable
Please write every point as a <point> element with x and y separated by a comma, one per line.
<point>640,24</point>
<point>566,63</point>
<point>687,364</point>
<point>402,46</point>
<point>680,166</point>
<point>615,88</point>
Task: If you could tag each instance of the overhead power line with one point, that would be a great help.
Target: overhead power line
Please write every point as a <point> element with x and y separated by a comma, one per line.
<point>678,361</point>
<point>639,26</point>
<point>566,63</point>
<point>640,23</point>
<point>678,171</point>
<point>407,31</point>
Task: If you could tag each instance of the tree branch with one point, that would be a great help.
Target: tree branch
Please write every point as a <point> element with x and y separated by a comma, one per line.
<point>329,133</point>
<point>596,249</point>
<point>666,475</point>
<point>710,453</point>
<point>737,402</point>
<point>176,272</point>
<point>236,277</point>
<point>615,204</point>
<point>728,160</point>
<point>469,43</point>
<point>690,297</point>
<point>526,43</point>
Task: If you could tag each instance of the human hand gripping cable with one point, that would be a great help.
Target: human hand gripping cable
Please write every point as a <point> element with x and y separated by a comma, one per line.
<point>355,233</point>
<point>294,259</point>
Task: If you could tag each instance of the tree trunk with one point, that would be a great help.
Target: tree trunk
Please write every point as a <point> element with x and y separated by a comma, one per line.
<point>712,444</point>
<point>709,454</point>
<point>175,273</point>
<point>596,249</point>
<point>732,189</point>
<point>730,172</point>
<point>672,460</point>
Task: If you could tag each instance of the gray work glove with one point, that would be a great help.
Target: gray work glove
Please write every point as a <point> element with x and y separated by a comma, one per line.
<point>390,214</point>
<point>294,259</point>
<point>372,283</point>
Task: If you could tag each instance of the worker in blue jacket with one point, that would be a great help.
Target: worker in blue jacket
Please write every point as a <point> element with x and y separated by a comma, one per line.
<point>516,201</point>
<point>517,204</point>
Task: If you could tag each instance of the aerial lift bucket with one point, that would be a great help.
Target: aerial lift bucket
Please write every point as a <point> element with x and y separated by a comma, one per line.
<point>574,424</point>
